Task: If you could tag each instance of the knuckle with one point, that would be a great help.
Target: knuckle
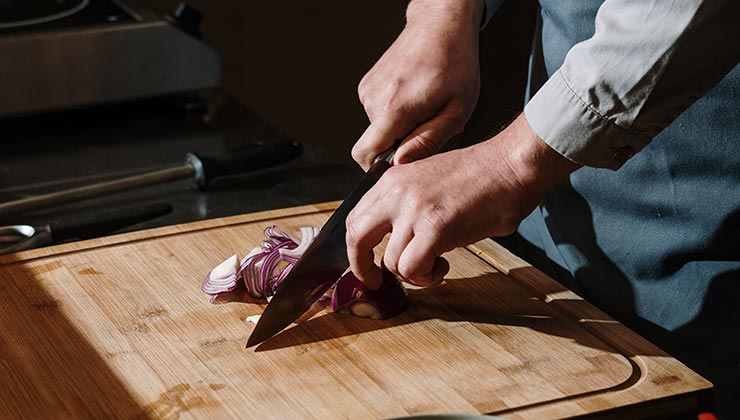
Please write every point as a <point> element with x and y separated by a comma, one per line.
<point>359,153</point>
<point>413,199</point>
<point>362,89</point>
<point>391,179</point>
<point>365,85</point>
<point>356,152</point>
<point>354,235</point>
<point>391,97</point>
<point>361,97</point>
<point>434,224</point>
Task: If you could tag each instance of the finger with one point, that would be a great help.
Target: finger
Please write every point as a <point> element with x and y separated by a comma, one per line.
<point>401,235</point>
<point>379,136</point>
<point>428,138</point>
<point>420,264</point>
<point>363,266</point>
<point>364,233</point>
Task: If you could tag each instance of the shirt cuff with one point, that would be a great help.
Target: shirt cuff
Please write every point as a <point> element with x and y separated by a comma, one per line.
<point>489,9</point>
<point>576,130</point>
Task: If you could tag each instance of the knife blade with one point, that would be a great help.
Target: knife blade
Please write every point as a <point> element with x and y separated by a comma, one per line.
<point>321,265</point>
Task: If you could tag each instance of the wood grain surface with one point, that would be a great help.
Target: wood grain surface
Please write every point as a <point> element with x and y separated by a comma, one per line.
<point>117,327</point>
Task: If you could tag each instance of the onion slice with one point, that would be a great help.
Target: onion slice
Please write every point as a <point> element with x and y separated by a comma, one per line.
<point>222,278</point>
<point>308,234</point>
<point>353,297</point>
<point>264,267</point>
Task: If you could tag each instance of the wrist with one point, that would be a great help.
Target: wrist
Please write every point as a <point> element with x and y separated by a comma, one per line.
<point>533,163</point>
<point>468,13</point>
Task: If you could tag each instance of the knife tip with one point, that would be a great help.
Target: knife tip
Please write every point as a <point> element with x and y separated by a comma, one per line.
<point>256,338</point>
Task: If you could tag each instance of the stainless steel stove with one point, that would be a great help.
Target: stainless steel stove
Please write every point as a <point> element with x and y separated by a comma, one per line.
<point>60,54</point>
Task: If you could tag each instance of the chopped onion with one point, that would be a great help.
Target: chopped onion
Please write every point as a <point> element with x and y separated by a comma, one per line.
<point>222,278</point>
<point>352,296</point>
<point>308,234</point>
<point>264,267</point>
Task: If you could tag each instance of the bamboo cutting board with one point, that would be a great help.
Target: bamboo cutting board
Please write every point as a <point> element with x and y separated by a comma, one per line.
<point>118,328</point>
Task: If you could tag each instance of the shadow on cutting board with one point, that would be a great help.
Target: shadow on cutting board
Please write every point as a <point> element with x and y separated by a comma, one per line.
<point>488,300</point>
<point>48,367</point>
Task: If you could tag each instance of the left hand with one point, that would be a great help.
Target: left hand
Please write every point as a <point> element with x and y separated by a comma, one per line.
<point>424,88</point>
<point>449,200</point>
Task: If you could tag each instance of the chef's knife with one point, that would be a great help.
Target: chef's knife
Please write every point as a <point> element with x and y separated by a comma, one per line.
<point>321,265</point>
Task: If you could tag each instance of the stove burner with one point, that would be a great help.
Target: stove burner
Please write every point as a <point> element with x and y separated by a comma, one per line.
<point>22,13</point>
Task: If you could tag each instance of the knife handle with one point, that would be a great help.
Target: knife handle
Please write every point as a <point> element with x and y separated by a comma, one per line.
<point>251,157</point>
<point>387,155</point>
<point>89,225</point>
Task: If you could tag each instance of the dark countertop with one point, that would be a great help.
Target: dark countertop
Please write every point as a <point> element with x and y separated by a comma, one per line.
<point>54,152</point>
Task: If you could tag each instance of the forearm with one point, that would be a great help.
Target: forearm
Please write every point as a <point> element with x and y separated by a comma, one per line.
<point>647,62</point>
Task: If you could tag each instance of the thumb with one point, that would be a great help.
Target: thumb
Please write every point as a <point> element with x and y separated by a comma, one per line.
<point>428,138</point>
<point>382,133</point>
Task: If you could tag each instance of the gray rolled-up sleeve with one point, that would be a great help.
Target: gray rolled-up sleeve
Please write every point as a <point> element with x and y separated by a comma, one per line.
<point>646,63</point>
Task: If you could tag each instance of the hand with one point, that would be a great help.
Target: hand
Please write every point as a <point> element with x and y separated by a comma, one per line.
<point>450,200</point>
<point>424,88</point>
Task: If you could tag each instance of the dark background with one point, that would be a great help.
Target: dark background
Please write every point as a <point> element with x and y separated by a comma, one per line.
<point>297,64</point>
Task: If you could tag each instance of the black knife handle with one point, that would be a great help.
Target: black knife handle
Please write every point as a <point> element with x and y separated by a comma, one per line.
<point>388,154</point>
<point>101,223</point>
<point>251,157</point>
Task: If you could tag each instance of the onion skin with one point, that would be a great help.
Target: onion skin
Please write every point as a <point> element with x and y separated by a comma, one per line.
<point>352,296</point>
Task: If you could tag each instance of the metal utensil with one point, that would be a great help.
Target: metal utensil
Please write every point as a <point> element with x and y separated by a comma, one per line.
<point>23,237</point>
<point>201,169</point>
<point>319,267</point>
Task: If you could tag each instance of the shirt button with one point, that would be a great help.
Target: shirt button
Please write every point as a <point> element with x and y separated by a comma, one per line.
<point>622,154</point>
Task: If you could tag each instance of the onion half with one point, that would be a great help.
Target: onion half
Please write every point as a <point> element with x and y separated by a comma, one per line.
<point>353,297</point>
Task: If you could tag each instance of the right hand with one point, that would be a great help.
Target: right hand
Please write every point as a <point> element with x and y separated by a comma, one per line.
<point>424,88</point>
<point>450,200</point>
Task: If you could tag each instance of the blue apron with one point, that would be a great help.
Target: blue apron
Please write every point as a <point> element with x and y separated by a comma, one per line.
<point>655,244</point>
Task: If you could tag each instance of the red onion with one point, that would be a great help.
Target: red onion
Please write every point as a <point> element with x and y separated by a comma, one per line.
<point>352,296</point>
<point>264,267</point>
<point>221,279</point>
